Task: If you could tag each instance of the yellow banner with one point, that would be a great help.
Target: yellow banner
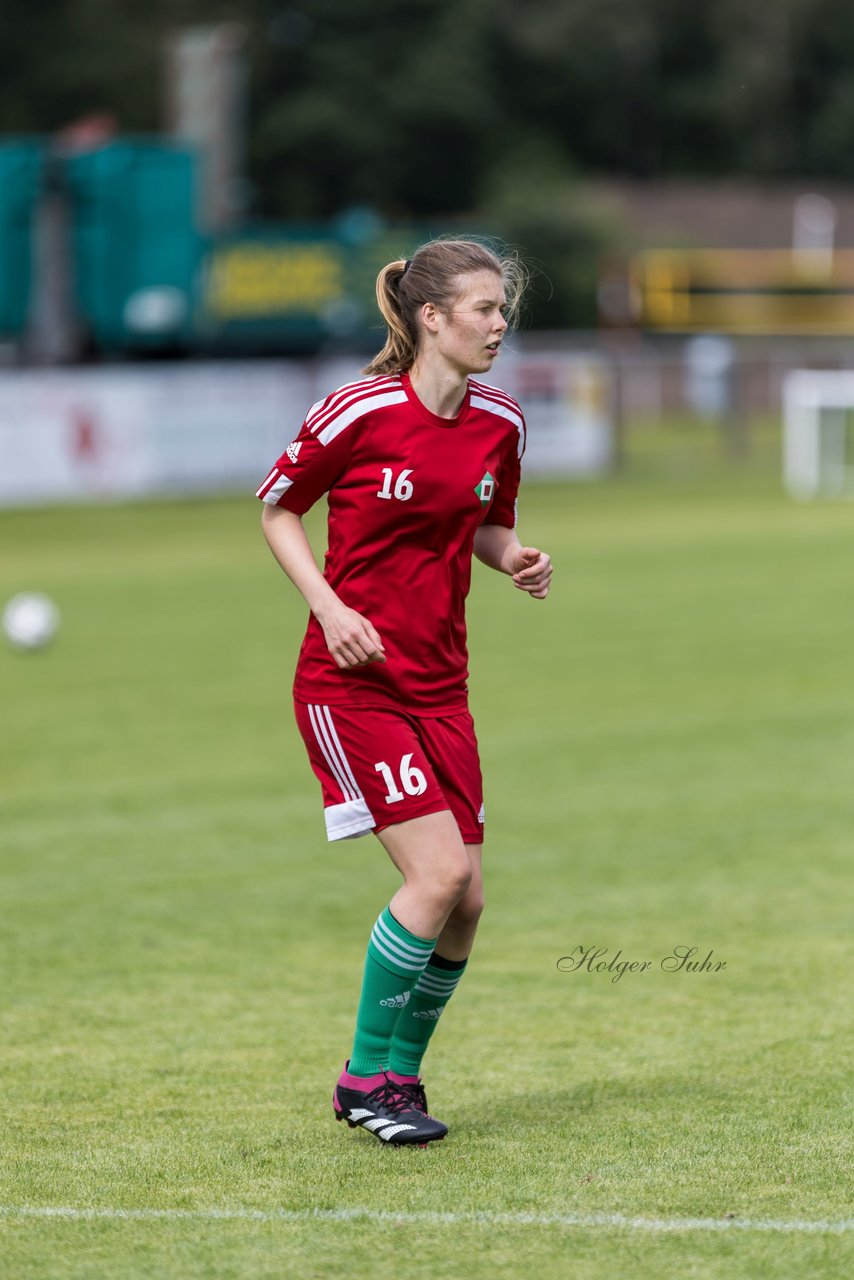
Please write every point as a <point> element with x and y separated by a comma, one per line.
<point>256,280</point>
<point>741,291</point>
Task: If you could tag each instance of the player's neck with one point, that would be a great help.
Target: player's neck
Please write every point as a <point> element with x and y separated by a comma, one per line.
<point>440,389</point>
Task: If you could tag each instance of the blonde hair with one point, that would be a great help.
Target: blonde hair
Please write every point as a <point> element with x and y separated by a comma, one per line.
<point>434,274</point>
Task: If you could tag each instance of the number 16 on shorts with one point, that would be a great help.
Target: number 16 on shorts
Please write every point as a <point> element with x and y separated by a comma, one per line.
<point>411,779</point>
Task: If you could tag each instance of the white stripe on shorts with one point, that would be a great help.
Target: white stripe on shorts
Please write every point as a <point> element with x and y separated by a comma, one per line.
<point>333,752</point>
<point>333,732</point>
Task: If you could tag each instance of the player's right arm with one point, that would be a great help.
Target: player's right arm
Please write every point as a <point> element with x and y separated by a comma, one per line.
<point>350,638</point>
<point>309,467</point>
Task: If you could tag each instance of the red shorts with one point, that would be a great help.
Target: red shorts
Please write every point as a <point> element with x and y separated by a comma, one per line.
<point>381,765</point>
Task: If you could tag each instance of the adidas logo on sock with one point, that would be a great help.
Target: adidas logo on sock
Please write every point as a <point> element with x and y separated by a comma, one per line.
<point>429,1013</point>
<point>396,1002</point>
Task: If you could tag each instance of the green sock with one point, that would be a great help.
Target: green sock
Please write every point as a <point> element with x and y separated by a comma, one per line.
<point>394,963</point>
<point>417,1021</point>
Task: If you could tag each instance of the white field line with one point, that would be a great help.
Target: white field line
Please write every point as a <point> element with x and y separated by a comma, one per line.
<point>612,1221</point>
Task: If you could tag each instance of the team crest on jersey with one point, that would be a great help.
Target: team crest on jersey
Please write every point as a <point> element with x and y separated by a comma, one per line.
<point>486,489</point>
<point>293,450</point>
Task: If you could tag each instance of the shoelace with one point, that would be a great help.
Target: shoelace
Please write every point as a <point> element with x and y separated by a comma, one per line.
<point>416,1094</point>
<point>392,1097</point>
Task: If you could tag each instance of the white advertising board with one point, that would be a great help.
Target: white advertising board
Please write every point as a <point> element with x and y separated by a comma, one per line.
<point>568,402</point>
<point>74,435</point>
<point>148,430</point>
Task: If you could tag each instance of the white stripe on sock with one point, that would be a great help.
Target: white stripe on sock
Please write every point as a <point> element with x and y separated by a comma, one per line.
<point>423,950</point>
<point>407,965</point>
<point>426,984</point>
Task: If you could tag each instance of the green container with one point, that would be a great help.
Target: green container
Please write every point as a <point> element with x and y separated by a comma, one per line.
<point>136,248</point>
<point>20,180</point>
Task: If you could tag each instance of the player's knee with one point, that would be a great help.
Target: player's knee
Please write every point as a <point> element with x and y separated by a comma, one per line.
<point>452,882</point>
<point>469,909</point>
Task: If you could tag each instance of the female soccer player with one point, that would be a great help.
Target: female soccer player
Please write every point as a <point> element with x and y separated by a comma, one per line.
<point>420,463</point>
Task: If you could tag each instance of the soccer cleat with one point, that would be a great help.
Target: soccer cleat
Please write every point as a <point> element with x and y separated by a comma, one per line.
<point>394,1113</point>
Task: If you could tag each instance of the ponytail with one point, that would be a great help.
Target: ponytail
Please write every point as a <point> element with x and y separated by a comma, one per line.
<point>398,354</point>
<point>433,274</point>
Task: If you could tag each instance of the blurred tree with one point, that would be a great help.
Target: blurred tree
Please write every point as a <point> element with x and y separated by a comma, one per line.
<point>419,108</point>
<point>536,205</point>
<point>376,103</point>
<point>61,59</point>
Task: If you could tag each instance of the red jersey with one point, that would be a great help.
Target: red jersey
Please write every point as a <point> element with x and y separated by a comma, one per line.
<point>407,490</point>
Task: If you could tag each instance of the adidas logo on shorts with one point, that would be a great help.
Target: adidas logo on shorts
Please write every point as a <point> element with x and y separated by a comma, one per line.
<point>428,1014</point>
<point>293,450</point>
<point>396,1002</point>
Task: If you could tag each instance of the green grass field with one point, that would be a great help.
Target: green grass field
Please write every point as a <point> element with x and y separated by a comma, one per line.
<point>668,747</point>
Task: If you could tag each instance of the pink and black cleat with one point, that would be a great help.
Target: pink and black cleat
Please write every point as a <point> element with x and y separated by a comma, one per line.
<point>394,1113</point>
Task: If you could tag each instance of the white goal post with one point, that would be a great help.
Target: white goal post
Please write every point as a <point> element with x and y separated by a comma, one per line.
<point>816,408</point>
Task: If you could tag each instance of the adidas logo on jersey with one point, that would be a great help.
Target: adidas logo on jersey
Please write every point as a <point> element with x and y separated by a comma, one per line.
<point>396,1002</point>
<point>429,1014</point>
<point>293,450</point>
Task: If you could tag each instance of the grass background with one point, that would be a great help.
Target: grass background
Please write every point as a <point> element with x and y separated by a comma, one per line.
<point>667,745</point>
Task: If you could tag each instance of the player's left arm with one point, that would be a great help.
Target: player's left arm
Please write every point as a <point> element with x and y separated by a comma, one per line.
<point>496,542</point>
<point>499,547</point>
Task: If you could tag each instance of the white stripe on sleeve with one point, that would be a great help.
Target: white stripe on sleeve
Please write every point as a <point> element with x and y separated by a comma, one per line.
<point>358,410</point>
<point>275,491</point>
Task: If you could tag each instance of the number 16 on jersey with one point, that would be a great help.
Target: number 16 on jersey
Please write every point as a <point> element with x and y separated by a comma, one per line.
<point>402,485</point>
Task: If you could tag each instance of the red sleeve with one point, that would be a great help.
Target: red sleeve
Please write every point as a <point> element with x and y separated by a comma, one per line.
<point>308,468</point>
<point>503,508</point>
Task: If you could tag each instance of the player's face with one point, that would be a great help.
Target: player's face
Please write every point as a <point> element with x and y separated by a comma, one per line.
<point>470,333</point>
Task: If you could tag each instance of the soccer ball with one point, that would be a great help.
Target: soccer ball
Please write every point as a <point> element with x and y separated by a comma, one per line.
<point>30,620</point>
